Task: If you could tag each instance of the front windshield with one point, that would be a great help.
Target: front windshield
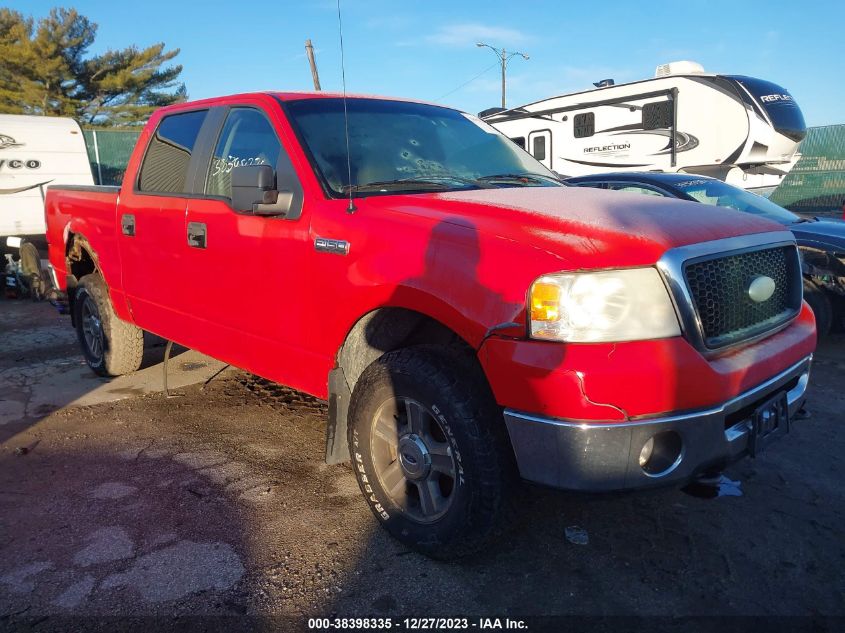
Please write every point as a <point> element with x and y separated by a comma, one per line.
<point>399,146</point>
<point>718,193</point>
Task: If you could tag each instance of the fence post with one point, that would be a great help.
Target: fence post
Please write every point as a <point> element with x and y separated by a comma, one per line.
<point>97,158</point>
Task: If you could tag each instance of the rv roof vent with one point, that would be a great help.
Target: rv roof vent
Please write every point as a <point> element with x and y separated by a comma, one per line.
<point>490,112</point>
<point>679,68</point>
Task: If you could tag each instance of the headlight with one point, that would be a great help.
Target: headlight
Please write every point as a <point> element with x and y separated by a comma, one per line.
<point>606,306</point>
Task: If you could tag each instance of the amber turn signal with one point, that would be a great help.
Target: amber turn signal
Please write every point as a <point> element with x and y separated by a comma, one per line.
<point>545,301</point>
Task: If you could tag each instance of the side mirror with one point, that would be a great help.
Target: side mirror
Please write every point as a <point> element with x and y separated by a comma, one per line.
<point>254,191</point>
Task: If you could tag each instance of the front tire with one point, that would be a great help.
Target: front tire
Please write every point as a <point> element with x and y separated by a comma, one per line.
<point>111,347</point>
<point>430,450</point>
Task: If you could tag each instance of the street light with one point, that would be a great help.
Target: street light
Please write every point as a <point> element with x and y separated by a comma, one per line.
<point>503,57</point>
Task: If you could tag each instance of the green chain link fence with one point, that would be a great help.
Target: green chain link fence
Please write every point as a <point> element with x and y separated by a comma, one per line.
<point>109,152</point>
<point>816,185</point>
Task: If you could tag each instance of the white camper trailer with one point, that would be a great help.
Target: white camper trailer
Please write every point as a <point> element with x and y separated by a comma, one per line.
<point>739,129</point>
<point>35,152</point>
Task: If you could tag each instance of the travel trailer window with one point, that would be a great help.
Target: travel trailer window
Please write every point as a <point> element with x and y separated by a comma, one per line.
<point>657,115</point>
<point>585,124</point>
<point>539,149</point>
<point>519,140</point>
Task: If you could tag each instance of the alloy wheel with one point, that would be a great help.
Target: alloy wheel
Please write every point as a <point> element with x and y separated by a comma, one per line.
<point>413,459</point>
<point>92,329</point>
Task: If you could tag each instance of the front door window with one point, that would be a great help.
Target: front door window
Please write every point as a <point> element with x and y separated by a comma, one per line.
<point>247,139</point>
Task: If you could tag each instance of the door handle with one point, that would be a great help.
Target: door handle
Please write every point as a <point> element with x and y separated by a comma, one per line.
<point>127,224</point>
<point>196,235</point>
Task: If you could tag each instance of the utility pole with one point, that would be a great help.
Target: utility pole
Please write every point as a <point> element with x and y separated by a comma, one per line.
<point>309,51</point>
<point>503,57</point>
<point>504,63</point>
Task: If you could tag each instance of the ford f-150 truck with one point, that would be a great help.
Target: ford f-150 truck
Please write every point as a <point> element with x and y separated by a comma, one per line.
<point>469,319</point>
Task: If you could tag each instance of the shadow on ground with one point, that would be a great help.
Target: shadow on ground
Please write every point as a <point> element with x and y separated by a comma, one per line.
<point>42,369</point>
<point>219,503</point>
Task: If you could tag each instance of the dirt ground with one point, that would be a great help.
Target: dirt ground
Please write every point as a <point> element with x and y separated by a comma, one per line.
<point>117,501</point>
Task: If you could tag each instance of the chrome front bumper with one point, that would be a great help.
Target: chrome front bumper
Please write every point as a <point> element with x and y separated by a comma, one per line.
<point>605,456</point>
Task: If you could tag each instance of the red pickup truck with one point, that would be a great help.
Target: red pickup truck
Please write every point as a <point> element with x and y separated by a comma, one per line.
<point>469,319</point>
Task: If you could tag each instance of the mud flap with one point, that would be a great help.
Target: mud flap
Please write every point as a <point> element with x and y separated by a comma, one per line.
<point>337,446</point>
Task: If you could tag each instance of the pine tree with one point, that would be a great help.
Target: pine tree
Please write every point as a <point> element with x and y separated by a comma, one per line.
<point>44,69</point>
<point>124,87</point>
<point>15,56</point>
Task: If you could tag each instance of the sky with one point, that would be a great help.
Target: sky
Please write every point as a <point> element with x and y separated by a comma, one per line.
<point>427,50</point>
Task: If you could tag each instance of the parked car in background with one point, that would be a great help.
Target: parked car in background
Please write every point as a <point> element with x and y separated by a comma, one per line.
<point>468,318</point>
<point>821,241</point>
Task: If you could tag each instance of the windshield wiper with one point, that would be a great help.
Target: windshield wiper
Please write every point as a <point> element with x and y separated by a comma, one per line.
<point>423,182</point>
<point>803,220</point>
<point>520,178</point>
<point>399,182</point>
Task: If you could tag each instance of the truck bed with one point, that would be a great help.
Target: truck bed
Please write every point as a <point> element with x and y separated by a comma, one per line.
<point>87,210</point>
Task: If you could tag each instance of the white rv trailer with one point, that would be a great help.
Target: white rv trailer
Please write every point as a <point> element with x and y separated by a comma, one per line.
<point>739,129</point>
<point>35,152</point>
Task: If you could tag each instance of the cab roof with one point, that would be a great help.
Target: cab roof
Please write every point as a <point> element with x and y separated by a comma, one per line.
<point>294,96</point>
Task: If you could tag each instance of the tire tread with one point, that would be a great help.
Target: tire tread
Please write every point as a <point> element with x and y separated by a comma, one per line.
<point>124,341</point>
<point>480,417</point>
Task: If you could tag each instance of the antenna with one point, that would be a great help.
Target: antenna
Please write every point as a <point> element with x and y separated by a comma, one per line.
<point>351,208</point>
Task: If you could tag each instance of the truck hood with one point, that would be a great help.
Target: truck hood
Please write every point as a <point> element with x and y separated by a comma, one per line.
<point>588,228</point>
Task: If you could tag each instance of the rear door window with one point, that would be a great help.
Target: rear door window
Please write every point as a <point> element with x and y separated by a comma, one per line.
<point>247,139</point>
<point>168,157</point>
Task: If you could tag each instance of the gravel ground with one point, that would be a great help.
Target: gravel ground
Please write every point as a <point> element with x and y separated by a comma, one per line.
<point>217,502</point>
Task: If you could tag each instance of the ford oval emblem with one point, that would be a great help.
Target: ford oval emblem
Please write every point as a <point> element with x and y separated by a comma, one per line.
<point>761,288</point>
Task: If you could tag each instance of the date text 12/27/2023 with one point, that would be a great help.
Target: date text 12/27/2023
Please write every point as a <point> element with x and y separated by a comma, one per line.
<point>416,624</point>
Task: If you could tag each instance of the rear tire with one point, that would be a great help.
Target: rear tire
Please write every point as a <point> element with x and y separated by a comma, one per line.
<point>111,347</point>
<point>821,306</point>
<point>430,451</point>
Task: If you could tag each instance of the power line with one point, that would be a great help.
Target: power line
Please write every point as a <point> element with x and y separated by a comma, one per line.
<point>469,81</point>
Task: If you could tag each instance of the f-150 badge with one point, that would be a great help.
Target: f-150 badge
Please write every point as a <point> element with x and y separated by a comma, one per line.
<point>338,247</point>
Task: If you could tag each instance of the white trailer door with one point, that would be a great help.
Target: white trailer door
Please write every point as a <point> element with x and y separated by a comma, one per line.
<point>540,146</point>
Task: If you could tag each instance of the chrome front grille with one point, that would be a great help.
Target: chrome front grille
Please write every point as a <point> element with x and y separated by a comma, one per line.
<point>719,289</point>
